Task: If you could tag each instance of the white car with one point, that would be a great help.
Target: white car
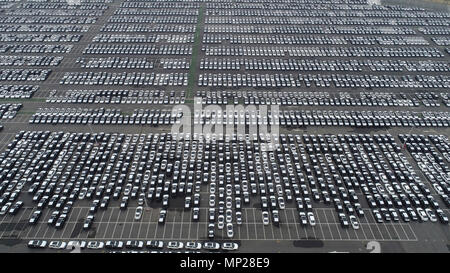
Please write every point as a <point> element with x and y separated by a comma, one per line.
<point>37,244</point>
<point>5,208</point>
<point>175,245</point>
<point>229,246</point>
<point>193,245</point>
<point>265,216</point>
<point>220,221</point>
<point>57,245</point>
<point>211,245</point>
<point>312,219</point>
<point>74,244</point>
<point>138,213</point>
<point>431,215</point>
<point>230,232</point>
<point>354,222</point>
<point>422,215</point>
<point>114,244</point>
<point>134,244</point>
<point>95,245</point>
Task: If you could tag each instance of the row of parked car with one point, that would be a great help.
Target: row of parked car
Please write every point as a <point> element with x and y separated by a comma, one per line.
<point>39,38</point>
<point>138,49</point>
<point>316,98</point>
<point>165,28</point>
<point>16,91</point>
<point>154,245</point>
<point>47,20</point>
<point>309,52</point>
<point>326,10</point>
<point>125,78</point>
<point>184,10</point>
<point>16,60</point>
<point>9,110</point>
<point>115,63</point>
<point>40,48</point>
<point>35,28</point>
<point>341,30</point>
<point>299,118</point>
<point>117,96</point>
<point>24,74</point>
<point>140,38</point>
<point>319,80</point>
<point>132,63</point>
<point>61,6</point>
<point>441,40</point>
<point>153,19</point>
<point>101,116</point>
<point>53,12</point>
<point>283,39</point>
<point>287,17</point>
<point>323,65</point>
<point>435,30</point>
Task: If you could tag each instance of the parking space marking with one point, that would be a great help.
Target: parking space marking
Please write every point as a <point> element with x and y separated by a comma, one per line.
<point>256,231</point>
<point>189,233</point>
<point>109,221</point>
<point>321,230</point>
<point>328,224</point>
<point>361,228</point>
<point>376,225</point>
<point>338,231</point>
<point>181,229</point>
<point>147,228</point>
<point>198,224</point>
<point>25,223</point>
<point>101,223</point>
<point>39,224</point>
<point>15,226</point>
<point>173,225</point>
<point>123,225</point>
<point>296,226</point>
<point>78,216</point>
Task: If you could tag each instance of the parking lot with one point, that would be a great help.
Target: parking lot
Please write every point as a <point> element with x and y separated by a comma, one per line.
<point>89,95</point>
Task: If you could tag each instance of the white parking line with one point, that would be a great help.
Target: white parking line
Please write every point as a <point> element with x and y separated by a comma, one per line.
<point>361,226</point>
<point>256,231</point>
<point>296,226</point>
<point>289,231</point>
<point>189,230</point>
<point>339,232</point>
<point>379,230</point>
<point>321,230</point>
<point>14,228</point>
<point>173,225</point>
<point>329,227</point>
<point>78,216</point>
<point>116,223</point>
<point>40,224</point>
<point>101,221</point>
<point>149,220</point>
<point>396,232</point>
<point>197,228</point>
<point>123,225</point>
<point>108,225</point>
<point>384,224</point>
<point>156,230</point>
<point>181,226</point>
<point>26,223</point>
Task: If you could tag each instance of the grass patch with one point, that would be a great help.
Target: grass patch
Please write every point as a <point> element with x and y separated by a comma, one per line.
<point>195,53</point>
